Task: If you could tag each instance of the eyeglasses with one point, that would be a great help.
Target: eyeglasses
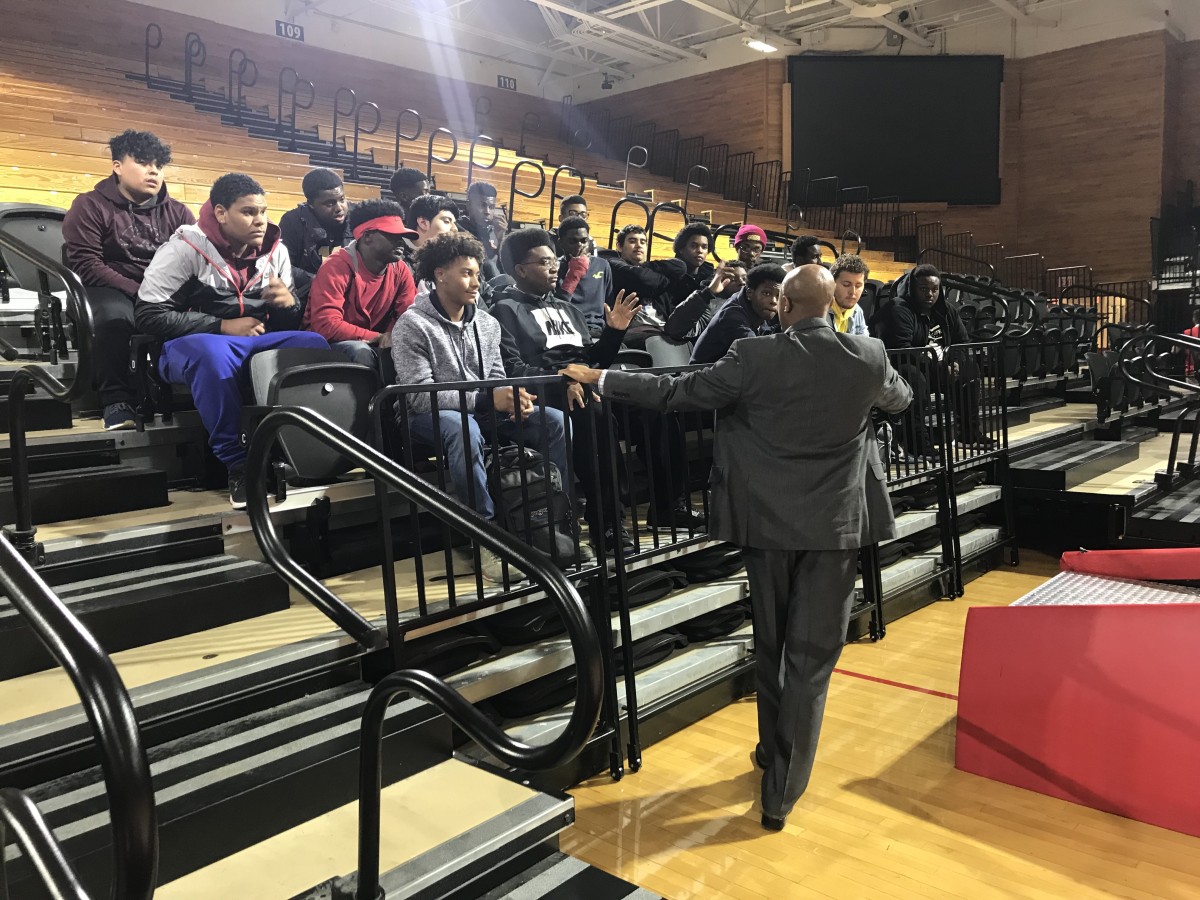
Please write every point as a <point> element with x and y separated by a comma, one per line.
<point>546,262</point>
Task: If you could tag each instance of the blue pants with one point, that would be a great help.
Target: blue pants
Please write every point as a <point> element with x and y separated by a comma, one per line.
<point>535,430</point>
<point>213,366</point>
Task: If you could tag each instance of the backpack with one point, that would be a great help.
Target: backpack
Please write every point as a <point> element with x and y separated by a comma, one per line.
<point>520,476</point>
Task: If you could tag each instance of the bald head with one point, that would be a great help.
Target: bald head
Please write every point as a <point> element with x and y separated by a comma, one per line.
<point>807,293</point>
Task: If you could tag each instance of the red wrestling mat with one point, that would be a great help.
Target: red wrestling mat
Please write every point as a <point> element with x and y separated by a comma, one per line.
<point>1086,690</point>
<point>1147,565</point>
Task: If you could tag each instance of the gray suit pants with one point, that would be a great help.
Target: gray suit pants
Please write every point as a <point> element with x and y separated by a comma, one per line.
<point>802,602</point>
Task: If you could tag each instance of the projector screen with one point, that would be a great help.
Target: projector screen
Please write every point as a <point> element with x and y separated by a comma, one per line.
<point>926,129</point>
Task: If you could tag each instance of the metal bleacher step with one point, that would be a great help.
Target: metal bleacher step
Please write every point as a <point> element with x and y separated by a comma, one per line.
<point>909,523</point>
<point>657,686</point>
<point>450,829</point>
<point>83,493</point>
<point>509,669</point>
<point>1173,518</point>
<point>227,787</point>
<point>1167,420</point>
<point>558,875</point>
<point>42,413</point>
<point>146,605</point>
<point>1020,415</point>
<point>911,570</point>
<point>1066,467</point>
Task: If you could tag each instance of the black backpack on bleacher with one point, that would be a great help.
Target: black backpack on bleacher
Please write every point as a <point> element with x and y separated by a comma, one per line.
<point>716,624</point>
<point>530,501</point>
<point>647,585</point>
<point>712,564</point>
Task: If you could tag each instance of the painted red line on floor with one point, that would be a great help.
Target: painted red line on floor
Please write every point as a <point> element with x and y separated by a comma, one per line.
<point>899,684</point>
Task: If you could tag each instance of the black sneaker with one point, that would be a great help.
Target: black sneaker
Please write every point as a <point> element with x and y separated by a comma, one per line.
<point>237,489</point>
<point>621,537</point>
<point>682,517</point>
<point>119,417</point>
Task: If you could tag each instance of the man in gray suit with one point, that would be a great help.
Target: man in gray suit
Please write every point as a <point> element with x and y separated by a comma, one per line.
<point>796,483</point>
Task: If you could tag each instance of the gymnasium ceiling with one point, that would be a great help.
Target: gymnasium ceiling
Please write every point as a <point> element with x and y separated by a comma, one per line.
<point>622,37</point>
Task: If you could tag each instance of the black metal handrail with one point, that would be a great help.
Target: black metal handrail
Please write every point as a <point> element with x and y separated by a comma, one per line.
<point>243,73</point>
<point>472,165</point>
<point>954,255</point>
<point>555,196</point>
<point>158,39</point>
<point>293,92</point>
<point>338,112</point>
<point>431,158</point>
<point>483,108</point>
<point>531,122</point>
<point>851,234</point>
<point>629,163</point>
<point>32,834</point>
<point>110,712</point>
<point>406,137</point>
<point>195,54</point>
<point>359,130</point>
<point>612,223</point>
<point>414,489</point>
<point>79,311</point>
<point>693,173</point>
<point>1136,349</point>
<point>652,233</point>
<point>514,192</point>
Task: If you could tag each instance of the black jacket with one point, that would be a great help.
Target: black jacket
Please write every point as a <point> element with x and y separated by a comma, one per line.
<point>733,321</point>
<point>308,243</point>
<point>899,325</point>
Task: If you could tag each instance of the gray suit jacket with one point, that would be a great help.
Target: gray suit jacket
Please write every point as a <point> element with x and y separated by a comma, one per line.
<point>795,462</point>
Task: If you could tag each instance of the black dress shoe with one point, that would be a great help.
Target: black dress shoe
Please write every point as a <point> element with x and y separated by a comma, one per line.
<point>614,537</point>
<point>773,823</point>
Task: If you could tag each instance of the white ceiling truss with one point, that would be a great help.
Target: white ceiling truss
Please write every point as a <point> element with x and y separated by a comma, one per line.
<point>621,37</point>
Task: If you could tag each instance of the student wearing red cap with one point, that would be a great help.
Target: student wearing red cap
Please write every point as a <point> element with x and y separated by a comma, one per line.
<point>362,289</point>
<point>750,242</point>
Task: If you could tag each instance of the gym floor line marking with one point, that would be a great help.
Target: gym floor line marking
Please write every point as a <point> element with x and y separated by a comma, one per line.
<point>899,684</point>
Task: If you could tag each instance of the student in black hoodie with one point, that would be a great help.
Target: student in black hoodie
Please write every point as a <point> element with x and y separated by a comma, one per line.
<point>542,333</point>
<point>315,228</point>
<point>111,234</point>
<point>917,317</point>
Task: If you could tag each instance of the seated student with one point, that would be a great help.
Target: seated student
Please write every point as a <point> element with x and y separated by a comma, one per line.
<point>542,333</point>
<point>111,234</point>
<point>446,337</point>
<point>750,242</point>
<point>748,313</point>
<point>849,278</point>
<point>575,206</point>
<point>407,185</point>
<point>217,293</point>
<point>692,245</point>
<point>431,216</point>
<point>586,281</point>
<point>689,319</point>
<point>806,250</point>
<point>918,316</point>
<point>652,280</point>
<point>487,222</point>
<point>315,228</point>
<point>362,290</point>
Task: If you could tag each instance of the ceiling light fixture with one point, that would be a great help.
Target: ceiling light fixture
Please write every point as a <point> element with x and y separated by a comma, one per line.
<point>759,44</point>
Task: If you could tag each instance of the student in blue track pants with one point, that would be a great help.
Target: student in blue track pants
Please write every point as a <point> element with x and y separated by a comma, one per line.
<point>217,293</point>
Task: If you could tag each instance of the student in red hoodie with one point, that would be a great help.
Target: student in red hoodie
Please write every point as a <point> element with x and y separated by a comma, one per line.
<point>111,234</point>
<point>218,293</point>
<point>362,289</point>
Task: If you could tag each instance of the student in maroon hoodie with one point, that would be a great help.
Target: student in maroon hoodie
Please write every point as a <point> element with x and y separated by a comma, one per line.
<point>217,294</point>
<point>111,234</point>
<point>362,289</point>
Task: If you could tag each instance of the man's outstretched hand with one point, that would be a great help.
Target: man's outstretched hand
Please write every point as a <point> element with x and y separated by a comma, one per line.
<point>581,373</point>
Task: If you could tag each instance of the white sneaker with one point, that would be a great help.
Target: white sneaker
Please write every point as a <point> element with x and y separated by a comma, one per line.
<point>493,569</point>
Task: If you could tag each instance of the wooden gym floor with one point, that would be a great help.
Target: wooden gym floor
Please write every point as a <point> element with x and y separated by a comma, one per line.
<point>886,814</point>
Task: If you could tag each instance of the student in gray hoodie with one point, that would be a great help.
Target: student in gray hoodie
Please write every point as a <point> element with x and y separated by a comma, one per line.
<point>446,337</point>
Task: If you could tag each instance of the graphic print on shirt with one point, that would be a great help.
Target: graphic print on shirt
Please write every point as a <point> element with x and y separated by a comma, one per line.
<point>557,327</point>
